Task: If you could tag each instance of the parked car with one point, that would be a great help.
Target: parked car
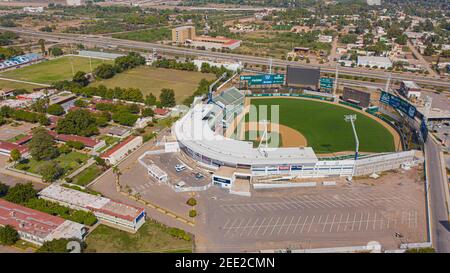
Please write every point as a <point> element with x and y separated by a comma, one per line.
<point>199,176</point>
<point>180,167</point>
<point>180,184</point>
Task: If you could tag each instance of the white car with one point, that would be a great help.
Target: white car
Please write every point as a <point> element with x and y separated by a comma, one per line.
<point>180,167</point>
<point>180,184</point>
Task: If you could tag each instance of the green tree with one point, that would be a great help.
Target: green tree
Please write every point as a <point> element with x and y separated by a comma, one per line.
<point>42,145</point>
<point>150,99</point>
<point>55,109</point>
<point>15,155</point>
<point>124,118</point>
<point>80,78</point>
<point>41,43</point>
<point>54,246</point>
<point>3,189</point>
<point>104,71</point>
<point>148,112</point>
<point>50,171</point>
<point>167,97</point>
<point>56,51</point>
<point>78,122</point>
<point>21,193</point>
<point>8,235</point>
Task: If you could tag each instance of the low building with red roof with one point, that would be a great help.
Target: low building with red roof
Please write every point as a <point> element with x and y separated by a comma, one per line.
<point>161,112</point>
<point>7,147</point>
<point>38,227</point>
<point>124,216</point>
<point>121,150</point>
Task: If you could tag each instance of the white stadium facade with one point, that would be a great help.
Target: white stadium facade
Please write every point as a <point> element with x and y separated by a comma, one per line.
<point>198,134</point>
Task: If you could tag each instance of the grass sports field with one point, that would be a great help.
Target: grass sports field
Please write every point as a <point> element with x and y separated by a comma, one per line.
<point>17,85</point>
<point>323,126</point>
<point>54,70</point>
<point>152,80</point>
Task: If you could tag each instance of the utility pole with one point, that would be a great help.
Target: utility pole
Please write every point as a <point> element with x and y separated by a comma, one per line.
<point>270,66</point>
<point>388,83</point>
<point>336,77</point>
<point>351,119</point>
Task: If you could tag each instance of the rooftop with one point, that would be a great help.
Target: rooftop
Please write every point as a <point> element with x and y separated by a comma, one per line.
<point>117,147</point>
<point>196,134</point>
<point>34,222</point>
<point>91,202</point>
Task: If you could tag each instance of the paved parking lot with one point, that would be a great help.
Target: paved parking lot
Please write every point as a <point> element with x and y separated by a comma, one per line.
<point>317,217</point>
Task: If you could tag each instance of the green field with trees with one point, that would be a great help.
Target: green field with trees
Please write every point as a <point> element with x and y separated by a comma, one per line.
<point>54,70</point>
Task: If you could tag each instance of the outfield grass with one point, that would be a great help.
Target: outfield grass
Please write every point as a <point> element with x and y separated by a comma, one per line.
<point>151,237</point>
<point>54,70</point>
<point>152,80</point>
<point>69,162</point>
<point>17,85</point>
<point>324,127</point>
<point>87,175</point>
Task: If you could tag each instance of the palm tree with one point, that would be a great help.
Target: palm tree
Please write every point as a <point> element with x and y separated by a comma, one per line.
<point>117,172</point>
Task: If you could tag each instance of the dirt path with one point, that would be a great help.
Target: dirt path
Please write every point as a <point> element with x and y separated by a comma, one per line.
<point>289,136</point>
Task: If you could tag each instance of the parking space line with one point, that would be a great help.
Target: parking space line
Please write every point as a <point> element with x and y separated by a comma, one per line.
<point>267,227</point>
<point>310,225</point>
<point>339,224</point>
<point>304,223</point>
<point>325,224</point>
<point>260,225</point>
<point>367,221</point>
<point>231,227</point>
<point>282,225</point>
<point>253,226</point>
<point>354,221</point>
<point>374,221</point>
<point>360,221</point>
<point>244,227</point>
<point>290,224</point>
<point>332,222</point>
<point>274,226</point>
<point>296,225</point>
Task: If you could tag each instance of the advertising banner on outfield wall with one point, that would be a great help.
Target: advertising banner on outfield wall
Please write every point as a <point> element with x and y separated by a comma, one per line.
<point>398,103</point>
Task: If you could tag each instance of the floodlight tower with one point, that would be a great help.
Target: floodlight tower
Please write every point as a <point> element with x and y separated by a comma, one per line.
<point>351,119</point>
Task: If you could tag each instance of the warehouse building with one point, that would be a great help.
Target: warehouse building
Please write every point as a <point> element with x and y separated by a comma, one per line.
<point>186,35</point>
<point>121,150</point>
<point>38,227</point>
<point>374,61</point>
<point>120,215</point>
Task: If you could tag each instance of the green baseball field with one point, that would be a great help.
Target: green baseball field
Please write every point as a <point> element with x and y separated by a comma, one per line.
<point>324,127</point>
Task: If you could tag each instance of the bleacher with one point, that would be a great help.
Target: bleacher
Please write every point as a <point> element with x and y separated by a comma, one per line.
<point>231,96</point>
<point>232,101</point>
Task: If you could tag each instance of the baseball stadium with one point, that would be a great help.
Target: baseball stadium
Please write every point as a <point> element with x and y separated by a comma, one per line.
<point>241,134</point>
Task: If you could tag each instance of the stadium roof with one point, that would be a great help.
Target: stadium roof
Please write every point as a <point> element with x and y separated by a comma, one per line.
<point>195,133</point>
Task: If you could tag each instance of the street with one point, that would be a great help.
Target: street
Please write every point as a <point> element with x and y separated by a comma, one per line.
<point>439,214</point>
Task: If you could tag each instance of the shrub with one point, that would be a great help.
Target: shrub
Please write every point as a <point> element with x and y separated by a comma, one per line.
<point>8,235</point>
<point>191,201</point>
<point>192,213</point>
<point>75,144</point>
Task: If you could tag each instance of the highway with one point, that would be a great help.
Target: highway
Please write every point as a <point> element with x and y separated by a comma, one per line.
<point>440,226</point>
<point>168,49</point>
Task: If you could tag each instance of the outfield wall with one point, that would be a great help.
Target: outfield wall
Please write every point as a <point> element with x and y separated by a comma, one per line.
<point>381,163</point>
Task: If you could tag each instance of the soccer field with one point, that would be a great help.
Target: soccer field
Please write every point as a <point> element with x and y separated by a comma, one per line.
<point>17,85</point>
<point>152,80</point>
<point>48,72</point>
<point>324,127</point>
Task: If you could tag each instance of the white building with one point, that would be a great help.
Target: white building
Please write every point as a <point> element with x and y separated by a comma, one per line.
<point>122,149</point>
<point>325,38</point>
<point>380,62</point>
<point>38,227</point>
<point>33,9</point>
<point>124,216</point>
<point>374,2</point>
<point>74,2</point>
<point>228,65</point>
